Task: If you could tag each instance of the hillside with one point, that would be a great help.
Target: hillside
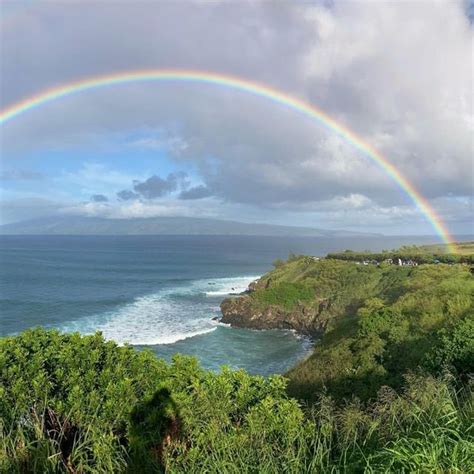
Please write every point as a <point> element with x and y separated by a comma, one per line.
<point>75,225</point>
<point>372,322</point>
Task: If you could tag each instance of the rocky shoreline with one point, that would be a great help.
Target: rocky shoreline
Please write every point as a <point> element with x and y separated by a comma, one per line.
<point>240,311</point>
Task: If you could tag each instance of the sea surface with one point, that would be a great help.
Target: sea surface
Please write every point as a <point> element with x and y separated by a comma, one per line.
<point>158,292</point>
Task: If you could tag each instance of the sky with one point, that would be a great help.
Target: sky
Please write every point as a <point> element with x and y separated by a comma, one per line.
<point>398,74</point>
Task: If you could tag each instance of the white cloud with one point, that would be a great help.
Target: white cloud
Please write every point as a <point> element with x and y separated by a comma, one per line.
<point>135,209</point>
<point>92,178</point>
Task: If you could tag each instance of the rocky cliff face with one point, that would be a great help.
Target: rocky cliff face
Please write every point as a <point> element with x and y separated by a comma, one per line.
<point>241,312</point>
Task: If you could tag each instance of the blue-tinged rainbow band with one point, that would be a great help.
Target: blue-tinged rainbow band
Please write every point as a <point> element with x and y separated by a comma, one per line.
<point>251,87</point>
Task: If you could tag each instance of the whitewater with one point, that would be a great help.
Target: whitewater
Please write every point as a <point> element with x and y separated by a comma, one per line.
<point>166,316</point>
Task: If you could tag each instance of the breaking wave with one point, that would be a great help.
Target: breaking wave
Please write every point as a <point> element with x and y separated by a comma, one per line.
<point>228,286</point>
<point>165,317</point>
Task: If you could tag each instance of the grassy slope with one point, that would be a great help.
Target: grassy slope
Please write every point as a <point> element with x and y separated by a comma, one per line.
<point>381,320</point>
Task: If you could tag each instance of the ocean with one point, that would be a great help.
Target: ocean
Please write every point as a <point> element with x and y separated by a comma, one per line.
<point>156,292</point>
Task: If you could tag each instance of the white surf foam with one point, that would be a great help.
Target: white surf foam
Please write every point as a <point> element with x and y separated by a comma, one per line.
<point>228,286</point>
<point>165,317</point>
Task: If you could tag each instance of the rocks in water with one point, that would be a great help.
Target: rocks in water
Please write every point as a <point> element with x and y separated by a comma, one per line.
<point>252,286</point>
<point>250,289</point>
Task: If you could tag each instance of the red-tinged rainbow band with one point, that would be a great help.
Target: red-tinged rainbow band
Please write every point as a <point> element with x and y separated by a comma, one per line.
<point>257,89</point>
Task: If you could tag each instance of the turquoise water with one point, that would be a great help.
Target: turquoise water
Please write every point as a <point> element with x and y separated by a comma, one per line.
<point>158,292</point>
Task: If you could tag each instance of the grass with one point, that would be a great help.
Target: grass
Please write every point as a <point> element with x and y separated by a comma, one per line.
<point>285,294</point>
<point>460,248</point>
<point>427,427</point>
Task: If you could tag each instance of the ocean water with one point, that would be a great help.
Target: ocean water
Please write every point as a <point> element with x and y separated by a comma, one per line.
<point>158,292</point>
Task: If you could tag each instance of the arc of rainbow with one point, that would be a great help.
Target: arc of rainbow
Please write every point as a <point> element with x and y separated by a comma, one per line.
<point>256,89</point>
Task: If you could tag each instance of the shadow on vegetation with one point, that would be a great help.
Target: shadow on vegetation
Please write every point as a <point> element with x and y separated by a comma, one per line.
<point>59,430</point>
<point>153,425</point>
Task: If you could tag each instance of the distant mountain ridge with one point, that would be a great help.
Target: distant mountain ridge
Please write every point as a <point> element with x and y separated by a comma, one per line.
<point>73,225</point>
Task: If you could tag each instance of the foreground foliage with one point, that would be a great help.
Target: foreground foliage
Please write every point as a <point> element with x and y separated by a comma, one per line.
<point>80,404</point>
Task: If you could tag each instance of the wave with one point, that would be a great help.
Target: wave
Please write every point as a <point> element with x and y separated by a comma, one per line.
<point>169,339</point>
<point>165,317</point>
<point>228,286</point>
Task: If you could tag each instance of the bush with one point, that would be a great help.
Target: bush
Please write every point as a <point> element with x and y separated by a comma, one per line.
<point>81,404</point>
<point>51,380</point>
<point>454,350</point>
<point>287,295</point>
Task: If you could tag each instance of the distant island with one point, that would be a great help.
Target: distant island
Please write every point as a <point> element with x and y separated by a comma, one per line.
<point>76,225</point>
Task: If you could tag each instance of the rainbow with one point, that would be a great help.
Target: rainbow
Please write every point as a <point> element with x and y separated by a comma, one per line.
<point>257,89</point>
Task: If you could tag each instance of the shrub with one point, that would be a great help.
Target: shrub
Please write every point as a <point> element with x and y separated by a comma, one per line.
<point>139,414</point>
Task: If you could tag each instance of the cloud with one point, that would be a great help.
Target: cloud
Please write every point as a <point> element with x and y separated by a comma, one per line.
<point>350,212</point>
<point>99,198</point>
<point>170,143</point>
<point>127,195</point>
<point>197,192</point>
<point>93,176</point>
<point>155,186</point>
<point>21,175</point>
<point>135,209</point>
<point>399,74</point>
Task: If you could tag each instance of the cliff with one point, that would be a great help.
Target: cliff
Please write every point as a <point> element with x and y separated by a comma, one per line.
<point>241,312</point>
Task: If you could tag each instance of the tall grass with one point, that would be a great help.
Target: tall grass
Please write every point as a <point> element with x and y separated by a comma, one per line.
<point>26,445</point>
<point>426,428</point>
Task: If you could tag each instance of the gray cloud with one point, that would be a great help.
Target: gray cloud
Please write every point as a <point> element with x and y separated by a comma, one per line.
<point>99,198</point>
<point>127,195</point>
<point>155,186</point>
<point>403,83</point>
<point>197,192</point>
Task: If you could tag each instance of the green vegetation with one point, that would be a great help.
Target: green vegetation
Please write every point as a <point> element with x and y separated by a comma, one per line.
<point>387,389</point>
<point>461,248</point>
<point>419,254</point>
<point>80,404</point>
<point>408,318</point>
<point>285,294</point>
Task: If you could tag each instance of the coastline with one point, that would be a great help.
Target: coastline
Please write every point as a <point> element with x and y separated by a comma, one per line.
<point>239,311</point>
